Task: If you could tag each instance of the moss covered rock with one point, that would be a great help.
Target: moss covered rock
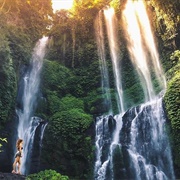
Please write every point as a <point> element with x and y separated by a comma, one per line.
<point>172,100</point>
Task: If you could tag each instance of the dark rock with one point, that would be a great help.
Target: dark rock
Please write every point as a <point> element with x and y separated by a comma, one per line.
<point>111,124</point>
<point>7,153</point>
<point>11,176</point>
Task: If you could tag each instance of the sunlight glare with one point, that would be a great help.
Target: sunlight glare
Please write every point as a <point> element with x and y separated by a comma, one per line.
<point>147,31</point>
<point>150,41</point>
<point>136,46</point>
<point>141,44</point>
<point>135,38</point>
<point>109,12</point>
<point>61,4</point>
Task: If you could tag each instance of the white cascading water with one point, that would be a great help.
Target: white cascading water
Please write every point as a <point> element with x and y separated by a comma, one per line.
<point>140,44</point>
<point>111,26</point>
<point>150,42</point>
<point>102,61</point>
<point>149,150</point>
<point>104,136</point>
<point>43,127</point>
<point>100,168</point>
<point>142,134</point>
<point>27,123</point>
<point>107,136</point>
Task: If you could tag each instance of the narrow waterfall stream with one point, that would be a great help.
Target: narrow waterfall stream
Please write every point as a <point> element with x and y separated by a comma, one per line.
<point>108,127</point>
<point>27,123</point>
<point>111,26</point>
<point>134,143</point>
<point>102,62</point>
<point>35,155</point>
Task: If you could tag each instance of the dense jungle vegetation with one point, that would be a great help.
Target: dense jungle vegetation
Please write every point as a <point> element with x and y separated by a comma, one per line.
<point>71,93</point>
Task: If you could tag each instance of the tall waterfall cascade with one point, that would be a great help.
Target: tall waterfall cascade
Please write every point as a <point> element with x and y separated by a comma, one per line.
<point>145,142</point>
<point>134,143</point>
<point>102,61</point>
<point>108,127</point>
<point>111,26</point>
<point>27,123</point>
<point>141,46</point>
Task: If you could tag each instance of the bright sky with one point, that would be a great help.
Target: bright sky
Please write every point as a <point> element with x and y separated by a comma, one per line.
<point>61,4</point>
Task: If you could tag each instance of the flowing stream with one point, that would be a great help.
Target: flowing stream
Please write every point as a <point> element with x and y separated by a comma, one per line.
<point>134,144</point>
<point>27,123</point>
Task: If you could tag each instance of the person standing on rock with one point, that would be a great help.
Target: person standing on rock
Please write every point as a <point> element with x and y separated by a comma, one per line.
<point>18,155</point>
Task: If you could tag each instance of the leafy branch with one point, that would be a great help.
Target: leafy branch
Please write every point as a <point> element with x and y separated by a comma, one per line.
<point>2,140</point>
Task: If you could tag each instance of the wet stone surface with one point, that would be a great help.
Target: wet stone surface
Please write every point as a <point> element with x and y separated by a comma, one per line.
<point>11,176</point>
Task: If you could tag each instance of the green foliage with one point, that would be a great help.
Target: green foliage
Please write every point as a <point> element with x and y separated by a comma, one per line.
<point>31,16</point>
<point>73,147</point>
<point>55,104</point>
<point>4,46</point>
<point>8,87</point>
<point>7,82</point>
<point>20,45</point>
<point>69,102</point>
<point>175,57</point>
<point>69,123</point>
<point>95,102</point>
<point>133,96</point>
<point>71,93</point>
<point>22,23</point>
<point>57,82</point>
<point>167,20</point>
<point>2,140</point>
<point>88,78</point>
<point>117,5</point>
<point>75,49</point>
<point>132,89</point>
<point>47,175</point>
<point>55,77</point>
<point>172,101</point>
<point>60,45</point>
<point>175,61</point>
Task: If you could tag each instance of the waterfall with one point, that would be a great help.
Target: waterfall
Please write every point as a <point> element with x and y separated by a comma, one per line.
<point>43,127</point>
<point>150,42</point>
<point>145,143</point>
<point>107,144</point>
<point>111,26</point>
<point>37,147</point>
<point>27,123</point>
<point>134,144</point>
<point>108,127</point>
<point>143,136</point>
<point>102,62</point>
<point>105,127</point>
<point>142,47</point>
